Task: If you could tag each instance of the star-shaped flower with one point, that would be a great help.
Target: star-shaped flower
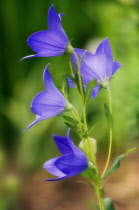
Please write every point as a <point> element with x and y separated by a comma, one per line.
<point>72,162</point>
<point>51,42</point>
<point>99,66</point>
<point>48,103</point>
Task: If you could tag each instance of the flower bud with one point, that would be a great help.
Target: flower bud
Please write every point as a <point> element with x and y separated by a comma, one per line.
<point>85,146</point>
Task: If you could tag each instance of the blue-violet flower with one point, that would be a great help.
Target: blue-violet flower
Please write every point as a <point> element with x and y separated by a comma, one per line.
<point>47,103</point>
<point>51,42</point>
<point>99,66</point>
<point>72,162</point>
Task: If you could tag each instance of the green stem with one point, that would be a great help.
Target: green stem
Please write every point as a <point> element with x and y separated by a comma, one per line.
<point>76,115</point>
<point>86,137</point>
<point>110,142</point>
<point>71,68</point>
<point>100,198</point>
<point>79,75</point>
<point>91,155</point>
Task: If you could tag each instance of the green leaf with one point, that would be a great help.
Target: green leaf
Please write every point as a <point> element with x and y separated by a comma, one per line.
<point>85,183</point>
<point>108,114</point>
<point>74,127</point>
<point>93,127</point>
<point>130,150</point>
<point>116,163</point>
<point>78,83</point>
<point>70,120</point>
<point>64,86</point>
<point>70,125</point>
<point>109,204</point>
<point>90,174</point>
<point>89,88</point>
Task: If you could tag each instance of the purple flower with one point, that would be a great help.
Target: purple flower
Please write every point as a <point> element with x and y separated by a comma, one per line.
<point>72,162</point>
<point>52,42</point>
<point>48,103</point>
<point>98,66</point>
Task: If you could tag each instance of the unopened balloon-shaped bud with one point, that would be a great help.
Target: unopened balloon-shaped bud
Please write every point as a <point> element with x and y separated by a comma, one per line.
<point>88,145</point>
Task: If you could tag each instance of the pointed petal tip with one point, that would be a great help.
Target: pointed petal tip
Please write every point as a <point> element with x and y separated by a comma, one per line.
<point>68,133</point>
<point>56,179</point>
<point>33,123</point>
<point>46,70</point>
<point>28,56</point>
<point>52,8</point>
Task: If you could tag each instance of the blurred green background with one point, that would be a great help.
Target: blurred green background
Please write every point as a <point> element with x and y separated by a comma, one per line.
<point>86,24</point>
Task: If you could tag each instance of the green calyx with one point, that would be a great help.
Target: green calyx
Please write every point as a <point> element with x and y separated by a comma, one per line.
<point>69,106</point>
<point>105,83</point>
<point>69,49</point>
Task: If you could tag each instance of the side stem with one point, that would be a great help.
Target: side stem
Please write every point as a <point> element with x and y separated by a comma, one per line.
<point>110,142</point>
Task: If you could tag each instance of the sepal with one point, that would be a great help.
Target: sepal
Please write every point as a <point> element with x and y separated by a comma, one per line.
<point>108,115</point>
<point>90,173</point>
<point>64,86</point>
<point>89,89</point>
<point>78,84</point>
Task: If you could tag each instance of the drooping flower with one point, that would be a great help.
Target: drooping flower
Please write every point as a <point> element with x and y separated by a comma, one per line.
<point>48,103</point>
<point>72,162</point>
<point>99,66</point>
<point>51,42</point>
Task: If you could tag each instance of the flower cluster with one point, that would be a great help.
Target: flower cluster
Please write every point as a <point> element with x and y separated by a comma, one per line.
<point>52,102</point>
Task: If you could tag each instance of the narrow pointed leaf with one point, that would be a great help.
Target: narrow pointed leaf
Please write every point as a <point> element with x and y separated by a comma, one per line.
<point>90,174</point>
<point>89,89</point>
<point>70,125</point>
<point>93,127</point>
<point>70,120</point>
<point>116,163</point>
<point>108,114</point>
<point>64,85</point>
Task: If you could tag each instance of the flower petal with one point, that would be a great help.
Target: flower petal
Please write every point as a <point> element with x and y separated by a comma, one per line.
<point>71,165</point>
<point>46,43</point>
<point>73,161</point>
<point>104,60</point>
<point>95,91</point>
<point>50,86</point>
<point>46,115</point>
<point>51,42</point>
<point>62,144</point>
<point>48,103</point>
<point>115,67</point>
<point>87,72</point>
<point>70,83</point>
<point>50,167</point>
<point>76,151</point>
<point>54,23</point>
